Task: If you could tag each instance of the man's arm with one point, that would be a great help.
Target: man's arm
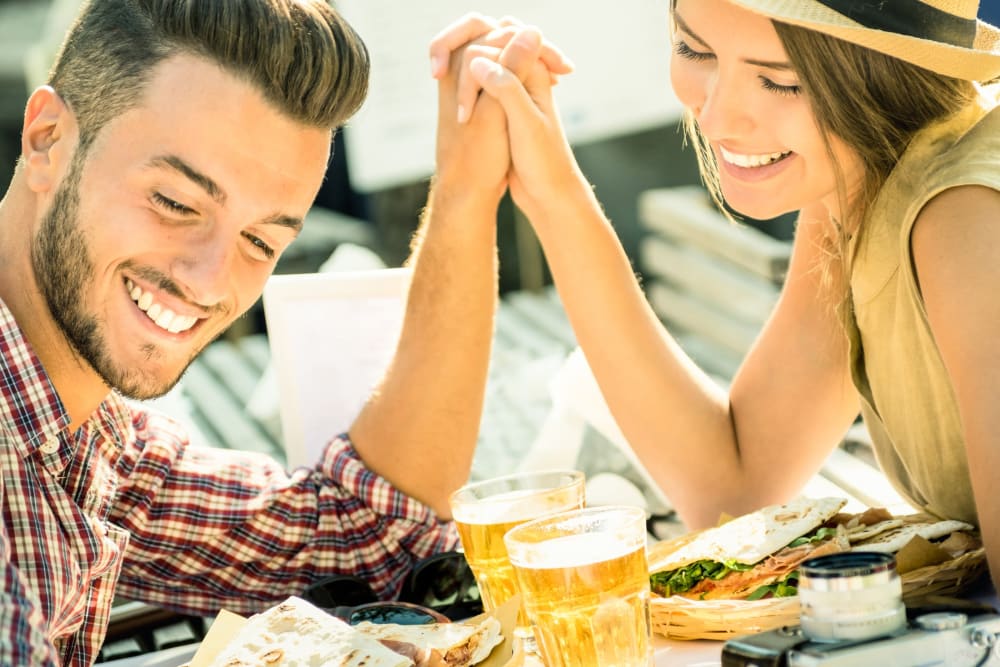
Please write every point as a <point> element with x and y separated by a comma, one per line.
<point>22,627</point>
<point>214,528</point>
<point>419,428</point>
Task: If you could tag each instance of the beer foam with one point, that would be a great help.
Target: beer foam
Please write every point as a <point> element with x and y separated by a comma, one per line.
<point>511,506</point>
<point>573,551</point>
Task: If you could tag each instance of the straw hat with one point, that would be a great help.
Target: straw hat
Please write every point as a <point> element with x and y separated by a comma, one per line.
<point>940,35</point>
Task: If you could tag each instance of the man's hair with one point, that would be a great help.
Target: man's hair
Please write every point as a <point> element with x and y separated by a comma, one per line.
<point>301,55</point>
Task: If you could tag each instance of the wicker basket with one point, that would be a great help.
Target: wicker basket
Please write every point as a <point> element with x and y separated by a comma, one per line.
<point>948,578</point>
<point>680,618</point>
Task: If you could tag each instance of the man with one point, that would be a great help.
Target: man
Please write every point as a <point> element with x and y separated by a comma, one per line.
<point>165,167</point>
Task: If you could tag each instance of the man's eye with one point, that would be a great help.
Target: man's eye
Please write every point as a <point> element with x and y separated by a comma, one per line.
<point>170,205</point>
<point>260,246</point>
<point>682,49</point>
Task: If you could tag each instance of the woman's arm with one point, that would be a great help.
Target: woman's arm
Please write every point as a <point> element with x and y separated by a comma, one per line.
<point>790,403</point>
<point>956,252</point>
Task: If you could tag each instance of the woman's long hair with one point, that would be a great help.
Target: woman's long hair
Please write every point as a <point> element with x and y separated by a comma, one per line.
<point>875,104</point>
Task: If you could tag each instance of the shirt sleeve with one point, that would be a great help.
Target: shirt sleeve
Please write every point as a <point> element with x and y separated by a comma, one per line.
<point>216,528</point>
<point>23,639</point>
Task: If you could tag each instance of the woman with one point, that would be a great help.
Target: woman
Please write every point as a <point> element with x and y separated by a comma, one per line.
<point>875,125</point>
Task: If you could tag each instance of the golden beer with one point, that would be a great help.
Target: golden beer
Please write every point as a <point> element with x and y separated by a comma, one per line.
<point>587,594</point>
<point>485,511</point>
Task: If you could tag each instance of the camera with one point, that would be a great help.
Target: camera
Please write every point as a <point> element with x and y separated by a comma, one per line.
<point>853,615</point>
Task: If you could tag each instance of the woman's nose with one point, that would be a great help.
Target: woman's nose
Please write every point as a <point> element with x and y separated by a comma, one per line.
<point>724,112</point>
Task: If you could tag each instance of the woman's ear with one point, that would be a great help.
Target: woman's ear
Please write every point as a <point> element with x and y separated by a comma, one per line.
<point>48,138</point>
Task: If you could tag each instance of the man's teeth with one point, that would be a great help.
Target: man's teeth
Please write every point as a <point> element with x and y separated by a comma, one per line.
<point>164,318</point>
<point>741,160</point>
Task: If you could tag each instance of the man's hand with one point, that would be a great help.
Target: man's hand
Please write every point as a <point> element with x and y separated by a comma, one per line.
<point>472,144</point>
<point>542,163</point>
<point>476,28</point>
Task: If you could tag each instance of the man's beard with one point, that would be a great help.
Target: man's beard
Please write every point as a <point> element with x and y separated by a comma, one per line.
<point>63,269</point>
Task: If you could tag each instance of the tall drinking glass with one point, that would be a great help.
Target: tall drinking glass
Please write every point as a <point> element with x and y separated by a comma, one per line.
<point>585,582</point>
<point>485,510</point>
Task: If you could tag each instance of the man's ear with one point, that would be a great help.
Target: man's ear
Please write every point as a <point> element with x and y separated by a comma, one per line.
<point>48,139</point>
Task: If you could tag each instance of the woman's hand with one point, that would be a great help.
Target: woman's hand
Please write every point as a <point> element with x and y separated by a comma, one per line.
<point>543,168</point>
<point>472,144</point>
<point>518,68</point>
<point>475,29</point>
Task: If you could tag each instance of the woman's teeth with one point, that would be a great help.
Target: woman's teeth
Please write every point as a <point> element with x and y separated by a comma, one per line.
<point>164,318</point>
<point>741,160</point>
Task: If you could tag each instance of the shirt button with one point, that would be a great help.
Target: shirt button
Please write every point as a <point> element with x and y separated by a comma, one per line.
<point>50,445</point>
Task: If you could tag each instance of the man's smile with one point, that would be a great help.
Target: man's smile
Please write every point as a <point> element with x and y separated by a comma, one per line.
<point>163,317</point>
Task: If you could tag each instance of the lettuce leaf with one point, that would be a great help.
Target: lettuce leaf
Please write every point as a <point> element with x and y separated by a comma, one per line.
<point>684,579</point>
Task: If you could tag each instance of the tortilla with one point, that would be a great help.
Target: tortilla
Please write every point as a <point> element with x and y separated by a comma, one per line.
<point>295,633</point>
<point>460,644</point>
<point>750,538</point>
<point>893,540</point>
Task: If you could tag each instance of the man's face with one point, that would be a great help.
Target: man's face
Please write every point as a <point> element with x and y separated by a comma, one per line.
<point>167,229</point>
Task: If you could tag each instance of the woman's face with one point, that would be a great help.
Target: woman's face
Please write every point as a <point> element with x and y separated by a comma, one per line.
<point>731,70</point>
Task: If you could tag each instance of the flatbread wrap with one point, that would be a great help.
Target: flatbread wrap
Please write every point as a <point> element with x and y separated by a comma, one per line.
<point>459,644</point>
<point>295,633</point>
<point>753,555</point>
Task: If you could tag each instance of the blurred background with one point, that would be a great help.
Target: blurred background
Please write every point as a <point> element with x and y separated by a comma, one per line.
<point>618,110</point>
<point>617,107</point>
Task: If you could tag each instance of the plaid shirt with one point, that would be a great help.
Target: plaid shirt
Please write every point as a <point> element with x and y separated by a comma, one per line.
<point>126,504</point>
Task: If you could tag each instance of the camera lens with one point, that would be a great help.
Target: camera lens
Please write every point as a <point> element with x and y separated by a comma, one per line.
<point>854,596</point>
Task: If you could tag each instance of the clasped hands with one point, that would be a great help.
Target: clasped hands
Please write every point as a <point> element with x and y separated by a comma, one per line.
<point>498,125</point>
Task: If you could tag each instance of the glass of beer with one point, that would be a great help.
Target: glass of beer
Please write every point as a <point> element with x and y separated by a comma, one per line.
<point>485,510</point>
<point>585,582</point>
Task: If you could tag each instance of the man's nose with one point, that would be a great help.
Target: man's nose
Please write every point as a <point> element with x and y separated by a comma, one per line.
<point>204,268</point>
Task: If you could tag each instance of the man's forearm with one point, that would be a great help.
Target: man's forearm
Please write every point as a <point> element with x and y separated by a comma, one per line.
<point>419,429</point>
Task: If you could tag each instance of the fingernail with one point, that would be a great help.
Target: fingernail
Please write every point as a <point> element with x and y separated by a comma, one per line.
<point>462,114</point>
<point>436,63</point>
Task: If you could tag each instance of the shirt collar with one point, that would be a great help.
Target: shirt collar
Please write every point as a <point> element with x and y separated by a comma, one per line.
<point>29,405</point>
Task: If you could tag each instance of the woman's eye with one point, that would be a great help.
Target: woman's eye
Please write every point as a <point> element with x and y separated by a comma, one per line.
<point>266,251</point>
<point>790,91</point>
<point>170,205</point>
<point>682,49</point>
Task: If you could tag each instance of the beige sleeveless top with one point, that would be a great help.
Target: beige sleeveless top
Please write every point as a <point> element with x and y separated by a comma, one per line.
<point>907,399</point>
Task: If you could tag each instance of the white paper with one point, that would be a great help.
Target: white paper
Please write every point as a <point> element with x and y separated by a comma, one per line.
<point>332,335</point>
<point>621,83</point>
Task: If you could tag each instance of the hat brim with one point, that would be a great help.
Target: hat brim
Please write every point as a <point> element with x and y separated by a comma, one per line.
<point>979,63</point>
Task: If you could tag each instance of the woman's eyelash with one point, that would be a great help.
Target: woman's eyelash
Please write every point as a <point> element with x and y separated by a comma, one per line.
<point>684,51</point>
<point>171,205</point>
<point>790,91</point>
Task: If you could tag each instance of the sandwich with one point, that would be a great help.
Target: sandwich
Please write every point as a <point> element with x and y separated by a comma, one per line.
<point>757,555</point>
<point>295,633</point>
<point>754,556</point>
<point>449,644</point>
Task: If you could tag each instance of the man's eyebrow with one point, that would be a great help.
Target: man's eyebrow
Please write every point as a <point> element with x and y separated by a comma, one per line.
<point>291,222</point>
<point>216,193</point>
<point>770,64</point>
<point>192,174</point>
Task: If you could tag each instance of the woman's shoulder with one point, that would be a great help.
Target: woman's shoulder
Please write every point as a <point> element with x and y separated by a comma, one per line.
<point>961,150</point>
<point>974,157</point>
